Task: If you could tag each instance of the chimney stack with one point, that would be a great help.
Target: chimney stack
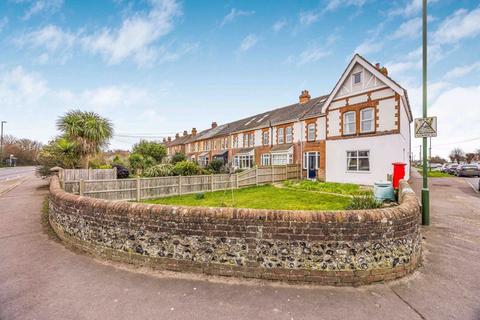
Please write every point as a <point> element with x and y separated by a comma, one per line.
<point>185,133</point>
<point>383,70</point>
<point>177,135</point>
<point>169,139</point>
<point>304,97</point>
<point>214,125</point>
<point>164,140</point>
<point>194,131</point>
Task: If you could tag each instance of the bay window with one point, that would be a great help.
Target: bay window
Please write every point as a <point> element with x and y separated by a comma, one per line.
<point>265,159</point>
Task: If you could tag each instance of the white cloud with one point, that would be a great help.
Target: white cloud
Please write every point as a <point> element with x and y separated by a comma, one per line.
<point>408,29</point>
<point>368,46</point>
<point>43,6</point>
<point>136,35</point>
<point>129,107</point>
<point>309,17</point>
<point>462,71</point>
<point>335,4</point>
<point>460,25</point>
<point>279,25</point>
<point>136,39</point>
<point>410,8</point>
<point>234,14</point>
<point>312,54</point>
<point>248,42</point>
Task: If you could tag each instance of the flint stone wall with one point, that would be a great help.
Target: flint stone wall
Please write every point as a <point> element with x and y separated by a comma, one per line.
<point>336,248</point>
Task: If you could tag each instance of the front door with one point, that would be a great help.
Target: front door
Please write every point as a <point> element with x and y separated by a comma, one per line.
<point>312,165</point>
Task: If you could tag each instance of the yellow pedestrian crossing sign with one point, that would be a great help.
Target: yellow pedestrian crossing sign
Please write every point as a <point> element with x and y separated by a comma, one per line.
<point>426,127</point>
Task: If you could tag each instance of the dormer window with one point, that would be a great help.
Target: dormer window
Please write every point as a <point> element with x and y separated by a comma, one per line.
<point>357,78</point>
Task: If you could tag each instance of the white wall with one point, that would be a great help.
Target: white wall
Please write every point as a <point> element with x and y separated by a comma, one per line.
<point>384,150</point>
<point>386,114</point>
<point>321,128</point>
<point>258,138</point>
<point>298,131</point>
<point>333,123</point>
<point>369,81</point>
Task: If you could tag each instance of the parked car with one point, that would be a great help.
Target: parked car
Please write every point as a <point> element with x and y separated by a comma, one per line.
<point>444,167</point>
<point>452,168</point>
<point>467,170</point>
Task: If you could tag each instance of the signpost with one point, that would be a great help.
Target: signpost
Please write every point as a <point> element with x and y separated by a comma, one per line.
<point>425,125</point>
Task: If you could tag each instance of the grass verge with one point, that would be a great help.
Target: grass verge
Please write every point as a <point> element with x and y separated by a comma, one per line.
<point>436,174</point>
<point>261,197</point>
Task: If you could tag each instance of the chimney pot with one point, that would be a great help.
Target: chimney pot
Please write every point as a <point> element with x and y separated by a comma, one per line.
<point>169,139</point>
<point>377,65</point>
<point>214,124</point>
<point>194,131</point>
<point>177,135</point>
<point>185,132</point>
<point>304,96</point>
<point>164,139</point>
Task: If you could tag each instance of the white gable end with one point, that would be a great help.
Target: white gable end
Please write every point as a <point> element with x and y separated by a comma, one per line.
<point>367,82</point>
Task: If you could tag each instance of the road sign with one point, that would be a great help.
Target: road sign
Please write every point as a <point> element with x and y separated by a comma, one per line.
<point>426,127</point>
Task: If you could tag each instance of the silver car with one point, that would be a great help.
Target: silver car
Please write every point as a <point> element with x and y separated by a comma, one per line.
<point>467,170</point>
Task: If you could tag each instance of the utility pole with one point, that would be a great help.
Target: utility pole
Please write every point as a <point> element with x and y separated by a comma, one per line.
<point>430,156</point>
<point>425,191</point>
<point>420,153</point>
<point>1,141</point>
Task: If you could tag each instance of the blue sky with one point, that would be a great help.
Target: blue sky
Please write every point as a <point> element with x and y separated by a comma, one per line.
<point>156,67</point>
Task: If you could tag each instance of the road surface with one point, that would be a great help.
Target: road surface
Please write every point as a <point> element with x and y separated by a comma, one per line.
<point>41,279</point>
<point>15,172</point>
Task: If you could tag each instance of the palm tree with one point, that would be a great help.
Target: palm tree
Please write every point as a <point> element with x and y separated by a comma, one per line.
<point>90,132</point>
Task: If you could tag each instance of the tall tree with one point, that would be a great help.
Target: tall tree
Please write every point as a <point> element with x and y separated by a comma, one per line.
<point>457,155</point>
<point>88,130</point>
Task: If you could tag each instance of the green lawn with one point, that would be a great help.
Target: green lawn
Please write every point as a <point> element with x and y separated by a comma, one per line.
<point>330,187</point>
<point>262,197</point>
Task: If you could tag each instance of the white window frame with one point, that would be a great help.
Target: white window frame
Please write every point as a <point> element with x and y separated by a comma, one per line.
<point>313,127</point>
<point>360,74</point>
<point>265,138</point>
<point>357,156</point>
<point>281,159</point>
<point>345,123</point>
<point>371,120</point>
<point>288,136</point>
<point>251,140</point>
<point>243,161</point>
<point>266,160</point>
<point>280,136</point>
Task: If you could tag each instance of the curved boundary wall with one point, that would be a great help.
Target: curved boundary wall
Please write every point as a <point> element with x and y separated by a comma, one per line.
<point>335,248</point>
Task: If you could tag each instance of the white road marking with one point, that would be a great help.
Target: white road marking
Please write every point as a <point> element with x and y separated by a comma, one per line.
<point>474,187</point>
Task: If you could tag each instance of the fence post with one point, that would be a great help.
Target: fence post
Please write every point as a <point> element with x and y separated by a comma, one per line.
<point>89,174</point>
<point>211,186</point>
<point>138,189</point>
<point>179,185</point>
<point>256,176</point>
<point>82,187</point>
<point>236,180</point>
<point>286,172</point>
<point>114,172</point>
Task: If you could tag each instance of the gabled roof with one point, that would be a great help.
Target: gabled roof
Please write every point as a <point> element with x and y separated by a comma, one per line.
<point>372,69</point>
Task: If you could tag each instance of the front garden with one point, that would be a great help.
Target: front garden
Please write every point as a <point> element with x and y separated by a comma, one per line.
<point>303,195</point>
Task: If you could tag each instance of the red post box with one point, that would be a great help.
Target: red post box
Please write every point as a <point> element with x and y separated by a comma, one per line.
<point>398,173</point>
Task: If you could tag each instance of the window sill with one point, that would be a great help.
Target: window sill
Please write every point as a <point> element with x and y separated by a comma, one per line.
<point>362,172</point>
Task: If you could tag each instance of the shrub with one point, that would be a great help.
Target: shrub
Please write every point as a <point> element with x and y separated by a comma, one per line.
<point>152,149</point>
<point>186,168</point>
<point>122,172</point>
<point>200,196</point>
<point>216,166</point>
<point>178,157</point>
<point>364,202</point>
<point>159,170</point>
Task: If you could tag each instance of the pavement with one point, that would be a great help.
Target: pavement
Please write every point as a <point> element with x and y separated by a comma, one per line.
<point>41,279</point>
<point>9,173</point>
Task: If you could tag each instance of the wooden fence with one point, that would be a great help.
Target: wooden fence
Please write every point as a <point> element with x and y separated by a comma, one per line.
<point>148,188</point>
<point>87,174</point>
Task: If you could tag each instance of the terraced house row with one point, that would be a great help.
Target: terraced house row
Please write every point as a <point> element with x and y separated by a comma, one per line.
<point>353,134</point>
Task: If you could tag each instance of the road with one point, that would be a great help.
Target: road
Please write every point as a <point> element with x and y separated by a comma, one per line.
<point>15,172</point>
<point>41,279</point>
<point>474,182</point>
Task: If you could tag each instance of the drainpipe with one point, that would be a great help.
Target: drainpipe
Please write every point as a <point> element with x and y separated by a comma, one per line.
<point>301,149</point>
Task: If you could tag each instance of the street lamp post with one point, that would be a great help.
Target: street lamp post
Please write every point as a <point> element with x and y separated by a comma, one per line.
<point>1,141</point>
<point>425,191</point>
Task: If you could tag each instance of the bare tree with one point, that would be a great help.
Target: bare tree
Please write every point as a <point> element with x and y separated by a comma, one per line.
<point>457,155</point>
<point>469,157</point>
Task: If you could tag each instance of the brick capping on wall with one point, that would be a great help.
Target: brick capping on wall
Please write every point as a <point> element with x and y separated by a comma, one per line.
<point>335,248</point>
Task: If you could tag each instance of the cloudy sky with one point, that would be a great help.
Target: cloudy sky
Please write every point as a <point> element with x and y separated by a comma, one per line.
<point>156,67</point>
